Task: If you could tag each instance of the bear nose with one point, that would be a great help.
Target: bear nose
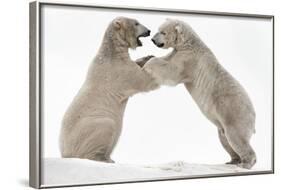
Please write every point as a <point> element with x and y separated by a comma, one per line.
<point>148,32</point>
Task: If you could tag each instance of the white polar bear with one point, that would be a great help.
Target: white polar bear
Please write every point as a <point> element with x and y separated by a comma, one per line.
<point>219,96</point>
<point>92,124</point>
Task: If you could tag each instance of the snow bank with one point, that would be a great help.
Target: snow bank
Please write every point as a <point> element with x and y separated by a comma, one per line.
<point>71,171</point>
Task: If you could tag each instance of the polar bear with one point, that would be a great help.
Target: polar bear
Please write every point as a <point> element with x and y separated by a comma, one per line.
<point>92,124</point>
<point>219,96</point>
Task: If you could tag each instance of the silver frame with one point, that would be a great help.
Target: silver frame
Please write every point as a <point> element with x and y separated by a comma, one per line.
<point>36,87</point>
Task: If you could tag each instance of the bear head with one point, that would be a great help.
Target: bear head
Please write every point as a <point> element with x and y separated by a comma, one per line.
<point>129,31</point>
<point>173,33</point>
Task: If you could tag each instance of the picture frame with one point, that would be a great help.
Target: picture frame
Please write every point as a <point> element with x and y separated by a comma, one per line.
<point>38,87</point>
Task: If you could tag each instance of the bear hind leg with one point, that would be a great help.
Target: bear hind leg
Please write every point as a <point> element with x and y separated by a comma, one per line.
<point>240,142</point>
<point>235,158</point>
<point>98,139</point>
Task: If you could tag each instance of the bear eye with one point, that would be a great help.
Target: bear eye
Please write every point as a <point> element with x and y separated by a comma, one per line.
<point>163,33</point>
<point>136,23</point>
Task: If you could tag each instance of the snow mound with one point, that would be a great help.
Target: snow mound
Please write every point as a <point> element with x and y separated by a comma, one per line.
<point>71,171</point>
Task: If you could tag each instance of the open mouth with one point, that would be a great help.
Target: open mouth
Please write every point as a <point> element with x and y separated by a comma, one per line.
<point>145,34</point>
<point>139,42</point>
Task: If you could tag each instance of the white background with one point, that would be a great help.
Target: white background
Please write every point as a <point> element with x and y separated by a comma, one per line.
<point>14,96</point>
<point>164,125</point>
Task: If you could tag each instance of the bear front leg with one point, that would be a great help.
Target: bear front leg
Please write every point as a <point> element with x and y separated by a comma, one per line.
<point>141,61</point>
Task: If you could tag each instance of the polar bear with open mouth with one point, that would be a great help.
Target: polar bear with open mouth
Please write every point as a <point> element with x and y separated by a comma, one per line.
<point>219,96</point>
<point>92,124</point>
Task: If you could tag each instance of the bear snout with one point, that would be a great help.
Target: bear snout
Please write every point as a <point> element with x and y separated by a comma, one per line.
<point>145,34</point>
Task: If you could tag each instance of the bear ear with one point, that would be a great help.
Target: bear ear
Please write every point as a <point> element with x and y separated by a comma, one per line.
<point>117,24</point>
<point>178,28</point>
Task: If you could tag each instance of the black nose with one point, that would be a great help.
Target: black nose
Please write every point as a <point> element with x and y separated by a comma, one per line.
<point>148,32</point>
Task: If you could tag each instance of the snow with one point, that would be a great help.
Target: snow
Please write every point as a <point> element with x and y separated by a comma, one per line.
<point>71,171</point>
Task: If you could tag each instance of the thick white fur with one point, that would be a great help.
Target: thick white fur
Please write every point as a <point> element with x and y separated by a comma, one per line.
<point>219,96</point>
<point>92,124</point>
